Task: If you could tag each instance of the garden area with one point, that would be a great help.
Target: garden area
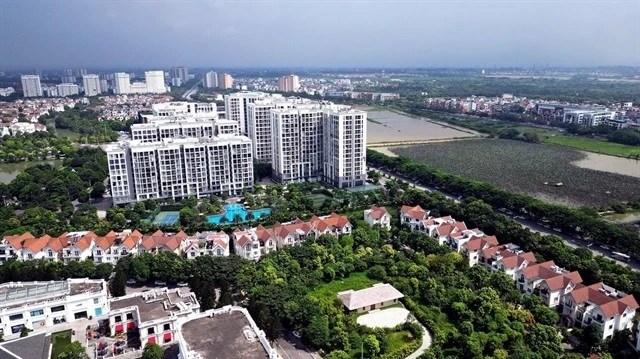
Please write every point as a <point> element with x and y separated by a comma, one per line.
<point>328,291</point>
<point>532,169</point>
<point>59,341</point>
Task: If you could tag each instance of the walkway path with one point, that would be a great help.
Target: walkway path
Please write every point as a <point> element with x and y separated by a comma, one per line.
<point>426,343</point>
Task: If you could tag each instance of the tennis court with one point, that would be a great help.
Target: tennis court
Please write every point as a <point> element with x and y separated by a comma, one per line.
<point>166,218</point>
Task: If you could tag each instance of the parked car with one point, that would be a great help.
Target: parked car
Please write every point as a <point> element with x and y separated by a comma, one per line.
<point>160,283</point>
<point>590,244</point>
<point>131,281</point>
<point>297,334</point>
<point>605,247</point>
<point>182,284</point>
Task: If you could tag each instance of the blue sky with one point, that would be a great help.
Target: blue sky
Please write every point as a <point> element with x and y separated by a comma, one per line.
<point>72,33</point>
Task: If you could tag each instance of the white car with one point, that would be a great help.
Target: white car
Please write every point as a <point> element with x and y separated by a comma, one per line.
<point>160,283</point>
<point>182,284</point>
<point>131,281</point>
<point>297,334</point>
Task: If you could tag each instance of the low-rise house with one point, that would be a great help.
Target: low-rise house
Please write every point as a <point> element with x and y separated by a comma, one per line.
<point>509,259</point>
<point>38,305</point>
<point>612,310</point>
<point>32,247</point>
<point>290,233</point>
<point>253,243</point>
<point>163,242</point>
<point>378,296</point>
<point>549,281</point>
<point>79,246</point>
<point>378,216</point>
<point>154,314</point>
<point>413,217</point>
<point>333,224</point>
<point>458,238</point>
<point>445,231</point>
<point>207,243</point>
<point>11,246</point>
<point>474,246</point>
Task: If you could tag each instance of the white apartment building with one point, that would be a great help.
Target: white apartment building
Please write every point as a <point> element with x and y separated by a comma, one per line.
<point>31,86</point>
<point>38,305</point>
<point>259,124</point>
<point>588,117</point>
<point>104,86</point>
<point>289,83</point>
<point>91,85</point>
<point>210,79</point>
<point>179,167</point>
<point>65,90</point>
<point>297,143</point>
<point>345,147</point>
<point>179,72</point>
<point>122,83</point>
<point>171,110</point>
<point>236,107</point>
<point>172,127</point>
<point>155,81</point>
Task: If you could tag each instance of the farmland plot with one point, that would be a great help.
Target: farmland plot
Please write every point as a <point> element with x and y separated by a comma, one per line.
<point>525,168</point>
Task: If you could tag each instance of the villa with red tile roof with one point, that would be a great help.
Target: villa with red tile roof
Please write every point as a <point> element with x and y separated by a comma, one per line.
<point>79,246</point>
<point>253,243</point>
<point>207,243</point>
<point>549,281</point>
<point>475,245</point>
<point>413,217</point>
<point>507,258</point>
<point>378,216</point>
<point>598,303</point>
<point>113,246</point>
<point>163,242</point>
<point>333,224</point>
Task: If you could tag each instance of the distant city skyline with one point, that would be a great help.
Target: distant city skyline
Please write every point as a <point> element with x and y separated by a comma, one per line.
<point>374,34</point>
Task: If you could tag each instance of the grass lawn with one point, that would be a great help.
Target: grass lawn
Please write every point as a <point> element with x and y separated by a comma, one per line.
<point>398,339</point>
<point>593,145</point>
<point>59,341</point>
<point>328,291</point>
<point>318,199</point>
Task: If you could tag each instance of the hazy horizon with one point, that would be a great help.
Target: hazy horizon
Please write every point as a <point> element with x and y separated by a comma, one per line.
<point>311,34</point>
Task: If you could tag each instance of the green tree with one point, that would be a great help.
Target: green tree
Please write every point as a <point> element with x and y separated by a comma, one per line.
<point>188,216</point>
<point>317,332</point>
<point>98,190</point>
<point>152,351</point>
<point>118,284</point>
<point>75,350</point>
<point>371,346</point>
<point>337,354</point>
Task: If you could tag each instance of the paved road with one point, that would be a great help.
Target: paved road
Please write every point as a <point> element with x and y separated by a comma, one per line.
<point>192,91</point>
<point>290,347</point>
<point>532,226</point>
<point>426,343</point>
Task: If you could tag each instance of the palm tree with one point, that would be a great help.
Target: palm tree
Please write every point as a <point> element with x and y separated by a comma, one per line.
<point>250,216</point>
<point>237,218</point>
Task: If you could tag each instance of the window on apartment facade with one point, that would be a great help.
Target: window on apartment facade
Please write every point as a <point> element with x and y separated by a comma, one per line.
<point>129,316</point>
<point>611,326</point>
<point>151,331</point>
<point>167,326</point>
<point>35,313</point>
<point>117,319</point>
<point>50,253</point>
<point>59,308</point>
<point>77,253</point>
<point>96,300</point>
<point>30,256</point>
<point>15,317</point>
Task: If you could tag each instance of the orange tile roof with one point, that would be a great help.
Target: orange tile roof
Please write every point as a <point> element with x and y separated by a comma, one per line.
<point>610,306</point>
<point>105,242</point>
<point>477,243</point>
<point>35,245</point>
<point>512,260</point>
<point>153,241</point>
<point>377,212</point>
<point>415,212</point>
<point>16,241</point>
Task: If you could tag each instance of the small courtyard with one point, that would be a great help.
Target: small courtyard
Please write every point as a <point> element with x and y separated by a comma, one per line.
<point>389,317</point>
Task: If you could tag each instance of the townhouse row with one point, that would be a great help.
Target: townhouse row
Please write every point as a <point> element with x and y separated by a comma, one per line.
<point>251,243</point>
<point>579,304</point>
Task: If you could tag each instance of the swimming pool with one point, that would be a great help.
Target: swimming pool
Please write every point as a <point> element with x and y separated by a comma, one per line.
<point>236,209</point>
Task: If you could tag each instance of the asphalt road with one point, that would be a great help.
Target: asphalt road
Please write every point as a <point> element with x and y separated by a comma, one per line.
<point>190,92</point>
<point>532,226</point>
<point>290,347</point>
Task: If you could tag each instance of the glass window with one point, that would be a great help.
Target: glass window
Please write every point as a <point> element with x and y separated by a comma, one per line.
<point>151,331</point>
<point>59,308</point>
<point>15,317</point>
<point>35,313</point>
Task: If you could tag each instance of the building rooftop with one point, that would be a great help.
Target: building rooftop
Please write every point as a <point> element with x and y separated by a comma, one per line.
<point>157,306</point>
<point>222,337</point>
<point>31,347</point>
<point>378,293</point>
<point>15,294</point>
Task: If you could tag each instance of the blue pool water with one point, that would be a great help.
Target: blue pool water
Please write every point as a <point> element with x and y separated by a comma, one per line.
<point>231,210</point>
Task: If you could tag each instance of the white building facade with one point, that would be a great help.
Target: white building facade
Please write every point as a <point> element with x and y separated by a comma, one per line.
<point>91,85</point>
<point>31,86</point>
<point>65,90</point>
<point>155,81</point>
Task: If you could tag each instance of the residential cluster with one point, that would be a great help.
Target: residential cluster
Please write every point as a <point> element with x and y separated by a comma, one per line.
<point>558,288</point>
<point>125,107</point>
<point>184,149</point>
<point>618,115</point>
<point>250,243</point>
<point>161,316</point>
<point>21,116</point>
<point>213,79</point>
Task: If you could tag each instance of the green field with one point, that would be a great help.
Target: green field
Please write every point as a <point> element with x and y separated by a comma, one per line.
<point>398,339</point>
<point>318,199</point>
<point>59,341</point>
<point>328,291</point>
<point>593,145</point>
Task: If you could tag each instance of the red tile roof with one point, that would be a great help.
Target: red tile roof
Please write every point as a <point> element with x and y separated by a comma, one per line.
<point>377,212</point>
<point>610,305</point>
<point>478,243</point>
<point>415,212</point>
<point>35,245</point>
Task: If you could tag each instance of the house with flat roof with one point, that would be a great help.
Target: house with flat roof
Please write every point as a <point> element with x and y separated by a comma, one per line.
<point>378,296</point>
<point>153,313</point>
<point>38,305</point>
